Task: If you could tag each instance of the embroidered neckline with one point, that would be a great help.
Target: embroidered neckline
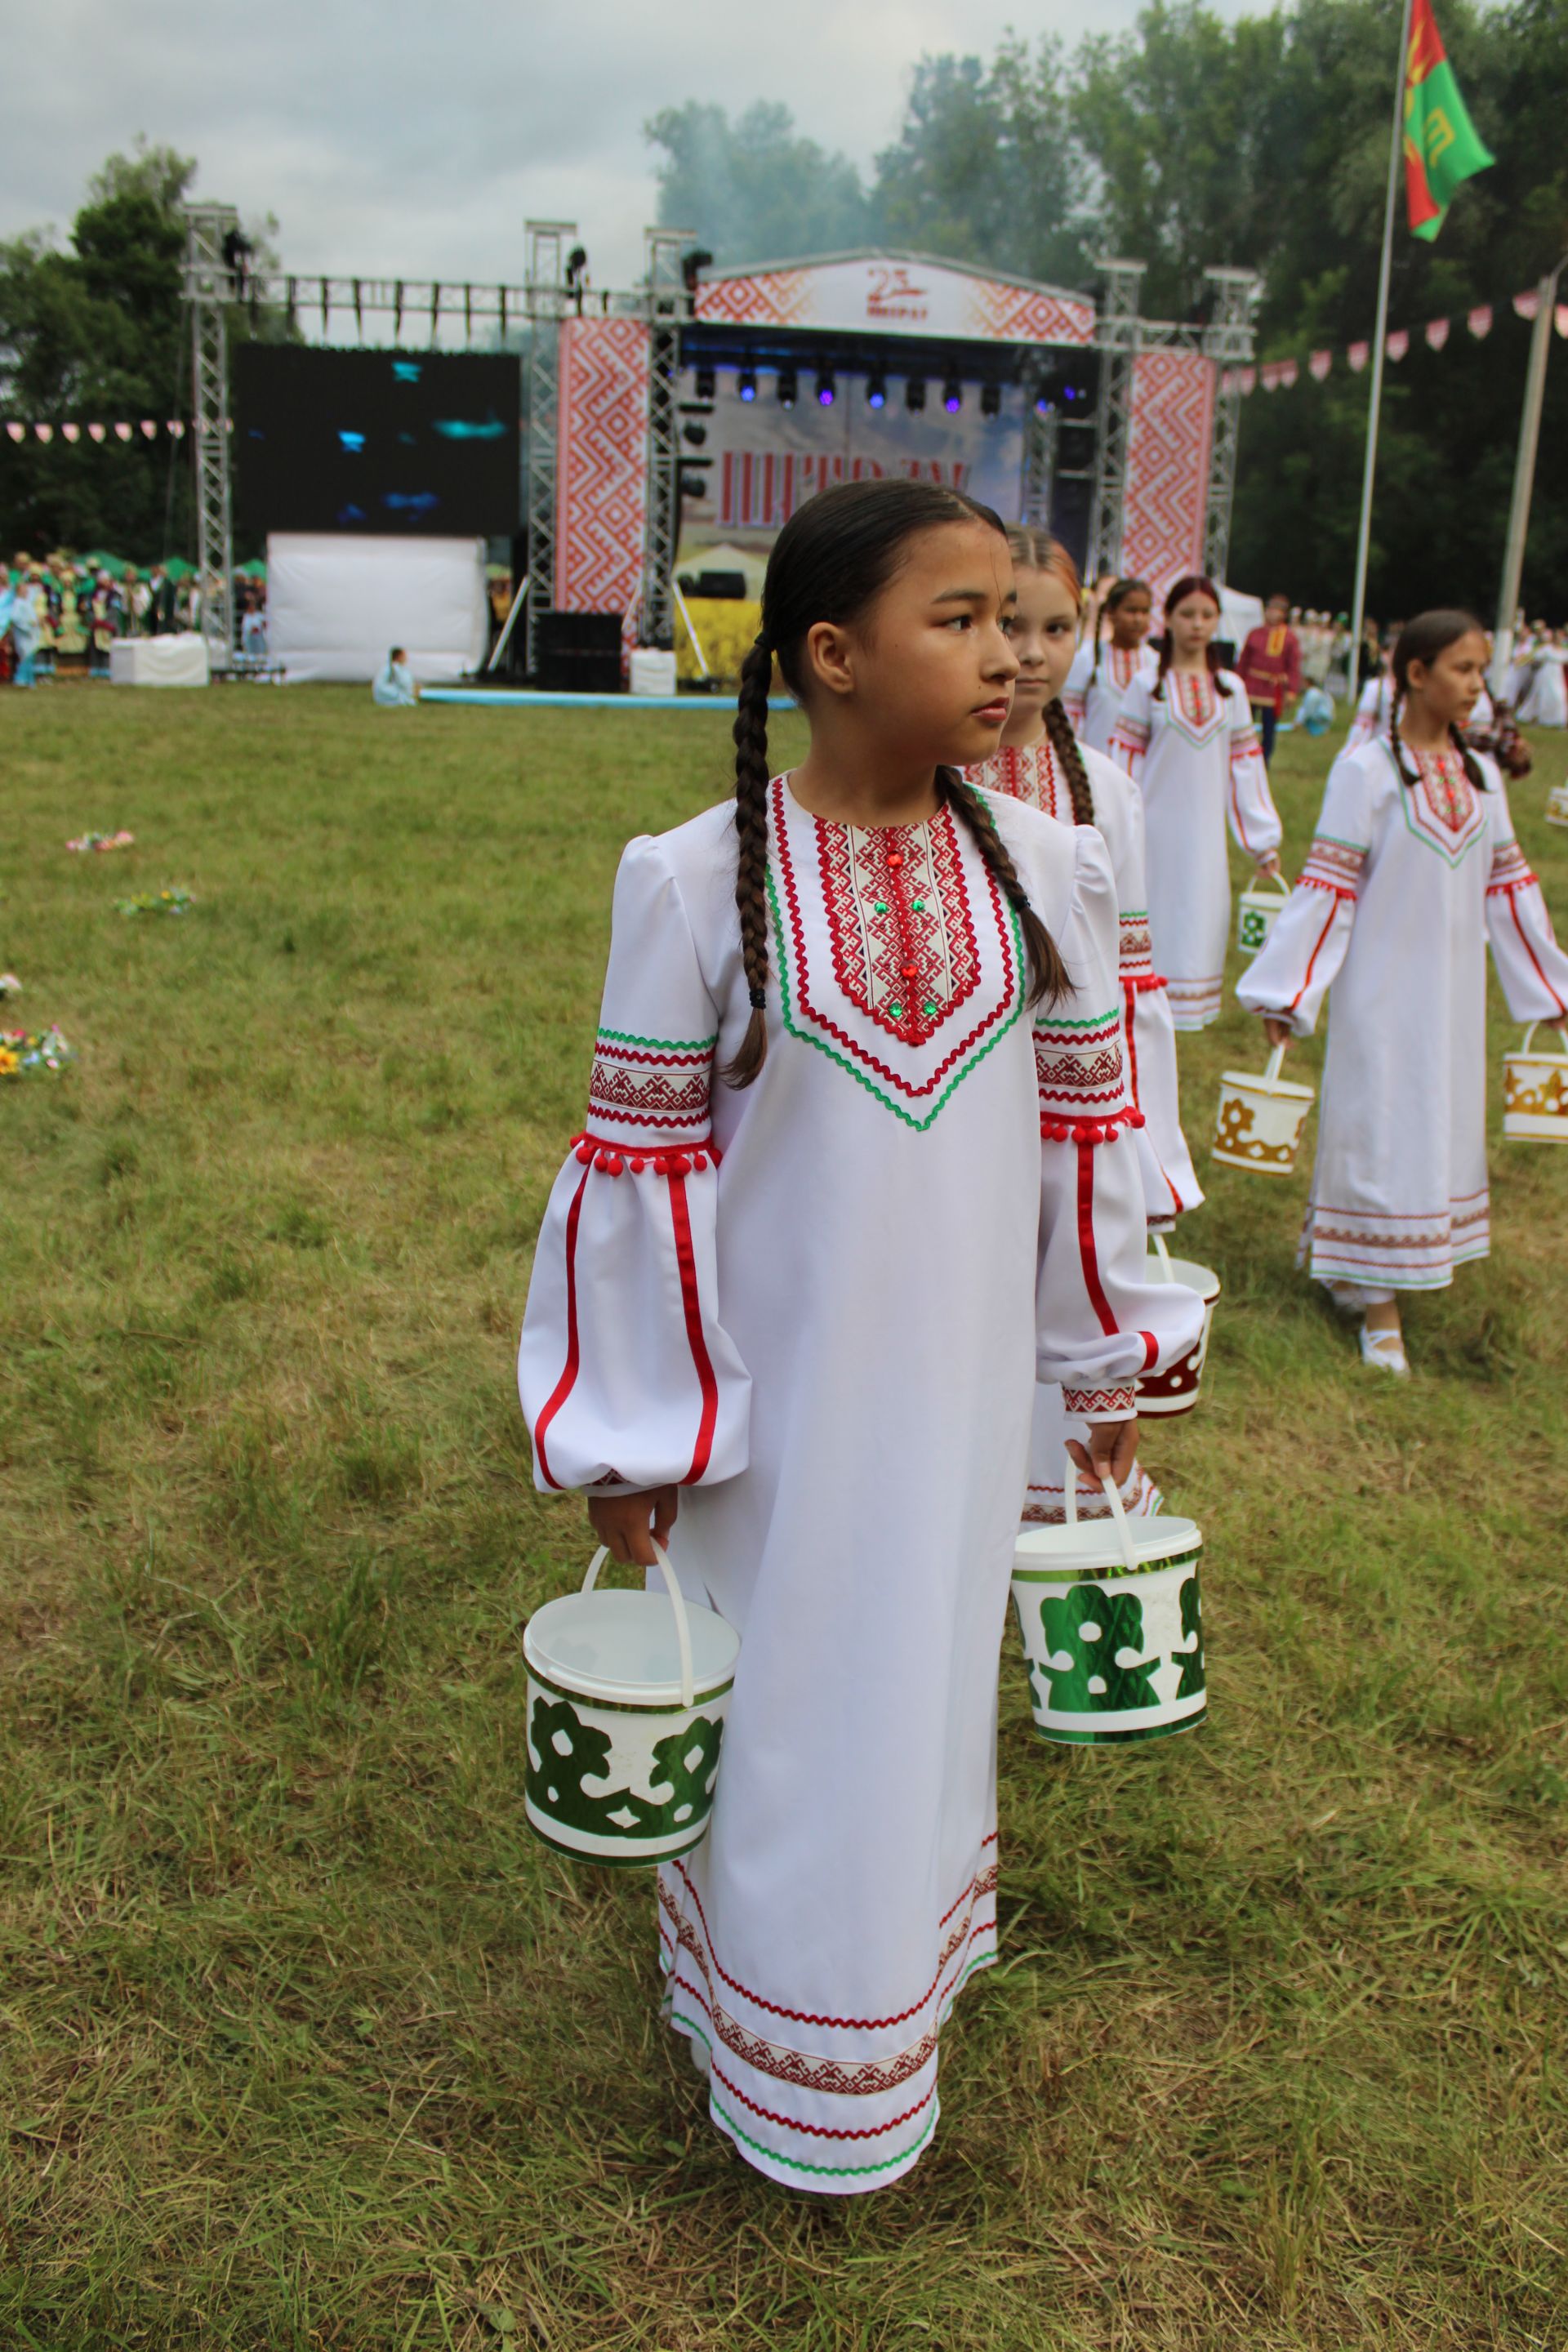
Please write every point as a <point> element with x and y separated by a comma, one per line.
<point>1024,771</point>
<point>807,1019</point>
<point>898,919</point>
<point>1192,704</point>
<point>1449,817</point>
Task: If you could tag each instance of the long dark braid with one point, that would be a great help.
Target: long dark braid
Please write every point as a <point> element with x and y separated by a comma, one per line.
<point>1068,757</point>
<point>834,556</point>
<point>1422,640</point>
<point>750,732</point>
<point>1048,979</point>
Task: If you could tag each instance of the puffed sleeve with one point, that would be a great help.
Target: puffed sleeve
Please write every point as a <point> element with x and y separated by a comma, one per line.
<point>1290,977</point>
<point>1249,803</point>
<point>1170,1180</point>
<point>1531,965</point>
<point>628,1379</point>
<point>1098,1322</point>
<point>1130,737</point>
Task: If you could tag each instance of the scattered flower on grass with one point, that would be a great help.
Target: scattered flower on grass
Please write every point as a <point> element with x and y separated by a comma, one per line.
<point>27,1053</point>
<point>9,984</point>
<point>157,902</point>
<point>101,840</point>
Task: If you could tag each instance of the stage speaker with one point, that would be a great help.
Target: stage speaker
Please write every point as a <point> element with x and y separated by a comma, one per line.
<point>580,653</point>
<point>714,586</point>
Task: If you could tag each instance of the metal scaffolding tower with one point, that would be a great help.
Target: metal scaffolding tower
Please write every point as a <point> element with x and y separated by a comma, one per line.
<point>669,306</point>
<point>208,286</point>
<point>548,242</point>
<point>1119,338</point>
<point>1228,343</point>
<point>1040,448</point>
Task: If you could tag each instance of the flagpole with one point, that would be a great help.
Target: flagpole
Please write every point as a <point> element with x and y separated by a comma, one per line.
<point>1523,478</point>
<point>1369,476</point>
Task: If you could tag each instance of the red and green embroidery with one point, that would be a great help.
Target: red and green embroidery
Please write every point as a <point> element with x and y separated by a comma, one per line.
<point>653,1087</point>
<point>1443,808</point>
<point>898,920</point>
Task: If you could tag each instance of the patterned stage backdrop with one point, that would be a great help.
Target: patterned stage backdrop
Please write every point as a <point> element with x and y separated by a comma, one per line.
<point>873,291</point>
<point>602,500</point>
<point>1168,446</point>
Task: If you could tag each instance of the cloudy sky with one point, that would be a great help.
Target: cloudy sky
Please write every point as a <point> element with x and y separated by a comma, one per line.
<point>414,137</point>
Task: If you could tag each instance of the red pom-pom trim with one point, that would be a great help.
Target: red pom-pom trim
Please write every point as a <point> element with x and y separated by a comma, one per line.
<point>584,1151</point>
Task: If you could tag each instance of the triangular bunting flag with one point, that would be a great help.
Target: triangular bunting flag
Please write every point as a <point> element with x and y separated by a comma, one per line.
<point>1318,365</point>
<point>122,432</point>
<point>1526,305</point>
<point>44,432</point>
<point>1398,343</point>
<point>17,431</point>
<point>1436,333</point>
<point>1247,379</point>
<point>177,428</point>
<point>1358,356</point>
<point>97,431</point>
<point>1289,373</point>
<point>71,432</point>
<point>1272,375</point>
<point>1562,318</point>
<point>149,430</point>
<point>1480,322</point>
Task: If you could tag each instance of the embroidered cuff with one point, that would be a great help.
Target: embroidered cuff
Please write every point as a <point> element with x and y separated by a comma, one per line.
<point>1077,1066</point>
<point>1100,1404</point>
<point>650,1092</point>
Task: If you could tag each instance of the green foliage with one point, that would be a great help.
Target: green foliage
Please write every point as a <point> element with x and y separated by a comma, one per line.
<point>308,2045</point>
<point>100,333</point>
<point>753,189</point>
<point>1256,141</point>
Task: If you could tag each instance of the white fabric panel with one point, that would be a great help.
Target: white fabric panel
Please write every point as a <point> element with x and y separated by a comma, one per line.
<point>179,660</point>
<point>336,603</point>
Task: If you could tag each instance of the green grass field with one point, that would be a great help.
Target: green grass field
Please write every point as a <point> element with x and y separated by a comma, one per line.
<point>304,2043</point>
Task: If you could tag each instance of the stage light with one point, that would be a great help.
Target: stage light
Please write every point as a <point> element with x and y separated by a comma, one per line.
<point>876,392</point>
<point>746,384</point>
<point>952,395</point>
<point>692,264</point>
<point>787,387</point>
<point>915,392</point>
<point>705,383</point>
<point>694,435</point>
<point>1044,404</point>
<point>826,390</point>
<point>990,400</point>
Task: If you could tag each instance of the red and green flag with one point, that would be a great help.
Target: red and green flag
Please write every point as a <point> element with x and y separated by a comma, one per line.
<point>1440,144</point>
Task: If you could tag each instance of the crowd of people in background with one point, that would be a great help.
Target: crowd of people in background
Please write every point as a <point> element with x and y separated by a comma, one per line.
<point>64,613</point>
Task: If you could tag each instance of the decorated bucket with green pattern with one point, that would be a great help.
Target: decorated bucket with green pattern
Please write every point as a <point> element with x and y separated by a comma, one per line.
<point>1112,1626</point>
<point>626,1698</point>
<point>1257,911</point>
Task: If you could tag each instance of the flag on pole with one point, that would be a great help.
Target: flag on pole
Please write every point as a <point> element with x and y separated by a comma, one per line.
<point>1441,148</point>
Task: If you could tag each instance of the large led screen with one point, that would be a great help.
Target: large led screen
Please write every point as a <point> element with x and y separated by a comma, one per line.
<point>377,440</point>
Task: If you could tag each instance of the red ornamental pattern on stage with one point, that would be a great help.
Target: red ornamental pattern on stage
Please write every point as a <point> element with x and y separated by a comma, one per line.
<point>880,292</point>
<point>1168,450</point>
<point>759,489</point>
<point>601,516</point>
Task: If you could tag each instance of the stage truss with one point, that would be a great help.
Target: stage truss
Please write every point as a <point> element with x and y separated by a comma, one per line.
<point>663,305</point>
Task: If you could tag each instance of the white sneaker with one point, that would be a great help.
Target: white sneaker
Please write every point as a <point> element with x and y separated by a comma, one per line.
<point>1386,1351</point>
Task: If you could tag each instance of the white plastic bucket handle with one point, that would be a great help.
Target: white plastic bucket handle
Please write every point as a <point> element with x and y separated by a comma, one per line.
<point>1276,1064</point>
<point>1113,1496</point>
<point>676,1602</point>
<point>1164,1254</point>
<point>1278,879</point>
<point>1561,1051</point>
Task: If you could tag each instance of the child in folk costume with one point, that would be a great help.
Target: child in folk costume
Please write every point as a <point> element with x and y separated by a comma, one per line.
<point>1097,681</point>
<point>1414,867</point>
<point>857,1172</point>
<point>1185,736</point>
<point>1040,761</point>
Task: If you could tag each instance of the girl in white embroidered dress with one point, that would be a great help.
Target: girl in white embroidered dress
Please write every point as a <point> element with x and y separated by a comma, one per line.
<point>817,1321</point>
<point>1185,736</point>
<point>1414,867</point>
<point>1040,761</point>
<point>1115,650</point>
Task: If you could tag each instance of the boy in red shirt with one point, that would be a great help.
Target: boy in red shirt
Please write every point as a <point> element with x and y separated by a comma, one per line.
<point>1270,669</point>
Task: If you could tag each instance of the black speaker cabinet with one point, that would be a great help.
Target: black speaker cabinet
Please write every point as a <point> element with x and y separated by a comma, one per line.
<point>580,653</point>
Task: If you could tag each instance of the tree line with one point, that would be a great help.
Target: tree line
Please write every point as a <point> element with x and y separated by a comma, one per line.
<point>1258,143</point>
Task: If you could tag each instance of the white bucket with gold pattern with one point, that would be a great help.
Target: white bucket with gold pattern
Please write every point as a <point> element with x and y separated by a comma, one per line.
<point>1256,912</point>
<point>626,1698</point>
<point>1557,805</point>
<point>1261,1120</point>
<point>1176,1390</point>
<point>1535,1092</point>
<point>1112,1626</point>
